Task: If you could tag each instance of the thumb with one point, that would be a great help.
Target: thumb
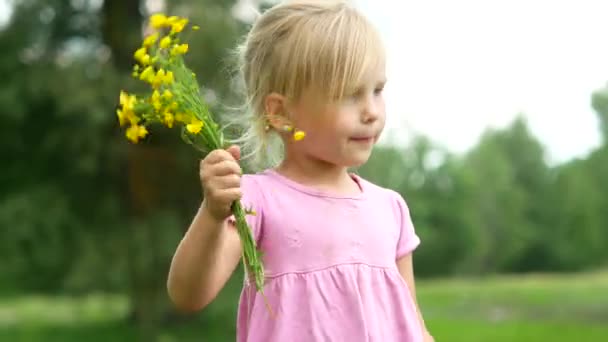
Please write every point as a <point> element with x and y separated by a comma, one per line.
<point>235,151</point>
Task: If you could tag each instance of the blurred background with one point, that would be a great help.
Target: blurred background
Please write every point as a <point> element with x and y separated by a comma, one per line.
<point>497,137</point>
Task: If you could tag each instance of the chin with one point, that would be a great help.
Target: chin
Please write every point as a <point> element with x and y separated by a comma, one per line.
<point>350,159</point>
<point>357,160</point>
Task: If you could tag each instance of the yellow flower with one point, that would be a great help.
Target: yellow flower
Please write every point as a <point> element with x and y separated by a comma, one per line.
<point>127,101</point>
<point>178,26</point>
<point>173,106</point>
<point>147,75</point>
<point>122,118</point>
<point>136,132</point>
<point>158,20</point>
<point>168,119</point>
<point>167,95</point>
<point>127,113</point>
<point>181,117</point>
<point>299,135</point>
<point>165,42</point>
<point>169,79</point>
<point>123,97</point>
<point>150,40</point>
<point>179,49</point>
<point>140,53</point>
<point>155,99</point>
<point>195,126</point>
<point>155,95</point>
<point>158,79</point>
<point>133,119</point>
<point>172,20</point>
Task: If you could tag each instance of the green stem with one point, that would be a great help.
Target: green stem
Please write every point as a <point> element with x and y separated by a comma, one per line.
<point>251,255</point>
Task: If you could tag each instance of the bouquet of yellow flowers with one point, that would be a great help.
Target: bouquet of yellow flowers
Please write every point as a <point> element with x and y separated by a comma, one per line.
<point>174,101</point>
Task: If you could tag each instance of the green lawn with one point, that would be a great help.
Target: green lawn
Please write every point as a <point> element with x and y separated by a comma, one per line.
<point>519,308</point>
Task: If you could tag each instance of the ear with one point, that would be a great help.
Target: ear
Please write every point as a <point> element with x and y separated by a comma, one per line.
<point>275,106</point>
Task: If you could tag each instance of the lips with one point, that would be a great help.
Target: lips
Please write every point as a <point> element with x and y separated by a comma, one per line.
<point>363,139</point>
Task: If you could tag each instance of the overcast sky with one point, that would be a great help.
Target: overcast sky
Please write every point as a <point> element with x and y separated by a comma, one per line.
<point>458,67</point>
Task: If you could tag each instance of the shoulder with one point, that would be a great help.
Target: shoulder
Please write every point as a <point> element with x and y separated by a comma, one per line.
<point>257,187</point>
<point>376,191</point>
<point>255,180</point>
<point>254,190</point>
<point>251,191</point>
<point>385,196</point>
<point>251,180</point>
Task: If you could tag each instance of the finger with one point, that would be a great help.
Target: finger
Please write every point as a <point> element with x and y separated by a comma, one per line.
<point>227,182</point>
<point>226,167</point>
<point>235,151</point>
<point>228,195</point>
<point>217,156</point>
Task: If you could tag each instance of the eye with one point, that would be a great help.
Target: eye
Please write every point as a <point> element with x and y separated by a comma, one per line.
<point>379,90</point>
<point>354,95</point>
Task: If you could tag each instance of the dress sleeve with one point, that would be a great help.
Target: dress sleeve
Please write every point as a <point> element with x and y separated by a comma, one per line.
<point>251,200</point>
<point>408,240</point>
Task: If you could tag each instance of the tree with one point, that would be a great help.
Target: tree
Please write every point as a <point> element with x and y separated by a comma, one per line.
<point>511,184</point>
<point>577,237</point>
<point>76,195</point>
<point>599,101</point>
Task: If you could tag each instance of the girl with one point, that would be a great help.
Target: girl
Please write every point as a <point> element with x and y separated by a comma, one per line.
<point>337,248</point>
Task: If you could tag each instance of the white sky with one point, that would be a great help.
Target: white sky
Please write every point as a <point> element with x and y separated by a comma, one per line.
<point>4,11</point>
<point>457,67</point>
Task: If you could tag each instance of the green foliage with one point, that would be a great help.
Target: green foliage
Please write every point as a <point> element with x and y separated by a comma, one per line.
<point>80,208</point>
<point>32,241</point>
<point>512,179</point>
<point>599,101</point>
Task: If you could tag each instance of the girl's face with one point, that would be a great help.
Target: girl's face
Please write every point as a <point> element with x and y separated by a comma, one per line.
<point>341,133</point>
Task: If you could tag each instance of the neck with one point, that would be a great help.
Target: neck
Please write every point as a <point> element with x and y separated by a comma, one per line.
<point>317,173</point>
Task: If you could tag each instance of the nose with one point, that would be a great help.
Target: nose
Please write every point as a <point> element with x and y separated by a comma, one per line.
<point>371,110</point>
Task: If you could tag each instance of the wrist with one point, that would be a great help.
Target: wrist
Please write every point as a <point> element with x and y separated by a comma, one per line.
<point>206,212</point>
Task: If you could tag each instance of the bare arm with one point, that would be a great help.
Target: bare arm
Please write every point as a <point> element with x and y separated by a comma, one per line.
<point>406,268</point>
<point>203,262</point>
<point>210,251</point>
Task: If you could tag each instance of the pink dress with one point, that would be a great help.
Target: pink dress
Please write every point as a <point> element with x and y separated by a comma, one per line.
<point>330,263</point>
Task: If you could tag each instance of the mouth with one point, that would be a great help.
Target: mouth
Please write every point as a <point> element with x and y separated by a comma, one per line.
<point>362,139</point>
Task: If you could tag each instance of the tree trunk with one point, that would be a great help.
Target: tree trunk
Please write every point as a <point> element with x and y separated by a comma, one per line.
<point>121,26</point>
<point>122,33</point>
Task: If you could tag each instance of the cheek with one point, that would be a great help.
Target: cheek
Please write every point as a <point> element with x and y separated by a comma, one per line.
<point>382,113</point>
<point>325,134</point>
<point>381,106</point>
<point>324,137</point>
<point>322,124</point>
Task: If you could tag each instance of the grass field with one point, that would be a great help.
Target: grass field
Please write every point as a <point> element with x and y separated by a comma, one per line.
<point>518,308</point>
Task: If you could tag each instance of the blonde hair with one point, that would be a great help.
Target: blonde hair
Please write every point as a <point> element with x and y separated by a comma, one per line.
<point>326,45</point>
